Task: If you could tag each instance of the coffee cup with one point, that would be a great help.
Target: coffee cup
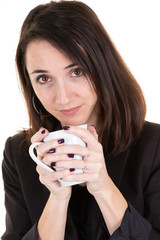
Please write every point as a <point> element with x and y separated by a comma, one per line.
<point>70,139</point>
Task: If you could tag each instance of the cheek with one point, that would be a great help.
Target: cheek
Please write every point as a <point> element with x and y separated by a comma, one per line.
<point>90,93</point>
<point>45,97</point>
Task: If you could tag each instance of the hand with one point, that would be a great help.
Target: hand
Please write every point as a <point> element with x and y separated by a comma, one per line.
<point>95,174</point>
<point>50,179</point>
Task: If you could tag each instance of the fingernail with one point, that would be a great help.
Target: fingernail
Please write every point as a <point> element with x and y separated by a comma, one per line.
<point>52,150</point>
<point>43,131</point>
<point>66,127</point>
<point>70,155</point>
<point>72,169</point>
<point>60,141</point>
<point>53,164</point>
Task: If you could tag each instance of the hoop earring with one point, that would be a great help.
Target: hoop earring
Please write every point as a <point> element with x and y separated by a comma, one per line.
<point>35,108</point>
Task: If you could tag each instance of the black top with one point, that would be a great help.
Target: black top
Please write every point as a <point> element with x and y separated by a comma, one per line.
<point>136,172</point>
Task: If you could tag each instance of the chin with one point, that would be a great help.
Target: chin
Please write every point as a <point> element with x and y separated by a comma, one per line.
<point>73,122</point>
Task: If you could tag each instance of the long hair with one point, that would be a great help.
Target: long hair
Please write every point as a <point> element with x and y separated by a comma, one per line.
<point>74,28</point>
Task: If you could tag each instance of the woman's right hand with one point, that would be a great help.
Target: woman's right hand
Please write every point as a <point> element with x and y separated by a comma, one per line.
<point>50,179</point>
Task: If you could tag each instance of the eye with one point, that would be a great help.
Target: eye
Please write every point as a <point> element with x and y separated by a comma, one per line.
<point>77,72</point>
<point>43,79</point>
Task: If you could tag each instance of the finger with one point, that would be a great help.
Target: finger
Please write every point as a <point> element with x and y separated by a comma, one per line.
<point>65,163</point>
<point>53,158</point>
<point>92,172</point>
<point>63,154</point>
<point>72,150</point>
<point>82,177</point>
<point>49,177</point>
<point>41,171</point>
<point>38,136</point>
<point>93,132</point>
<point>50,158</point>
<point>49,147</point>
<point>85,134</point>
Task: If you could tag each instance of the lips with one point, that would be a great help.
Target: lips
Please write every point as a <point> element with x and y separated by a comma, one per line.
<point>71,111</point>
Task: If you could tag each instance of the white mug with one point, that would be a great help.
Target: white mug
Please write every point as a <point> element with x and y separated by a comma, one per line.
<point>70,139</point>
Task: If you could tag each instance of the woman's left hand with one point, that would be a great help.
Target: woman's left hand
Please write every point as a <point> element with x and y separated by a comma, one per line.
<point>95,173</point>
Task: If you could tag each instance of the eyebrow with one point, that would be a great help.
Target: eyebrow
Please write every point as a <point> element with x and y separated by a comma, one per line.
<point>39,71</point>
<point>70,66</point>
<point>45,71</point>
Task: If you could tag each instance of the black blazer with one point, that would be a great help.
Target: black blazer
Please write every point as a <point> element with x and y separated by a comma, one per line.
<point>136,172</point>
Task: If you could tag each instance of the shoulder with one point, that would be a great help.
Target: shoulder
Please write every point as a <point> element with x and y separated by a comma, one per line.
<point>19,137</point>
<point>151,129</point>
<point>15,139</point>
<point>146,151</point>
<point>16,146</point>
<point>16,159</point>
<point>150,135</point>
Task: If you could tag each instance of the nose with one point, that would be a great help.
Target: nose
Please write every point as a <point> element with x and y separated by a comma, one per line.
<point>63,93</point>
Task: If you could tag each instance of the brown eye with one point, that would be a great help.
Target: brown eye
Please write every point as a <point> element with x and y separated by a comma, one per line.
<point>43,79</point>
<point>77,72</point>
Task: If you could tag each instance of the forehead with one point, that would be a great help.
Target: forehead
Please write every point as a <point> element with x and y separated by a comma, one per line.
<point>42,52</point>
<point>43,46</point>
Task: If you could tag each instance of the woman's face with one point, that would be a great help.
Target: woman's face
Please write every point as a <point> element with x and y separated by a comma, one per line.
<point>60,85</point>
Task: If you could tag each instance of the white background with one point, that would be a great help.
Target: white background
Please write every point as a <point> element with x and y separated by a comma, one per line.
<point>134,27</point>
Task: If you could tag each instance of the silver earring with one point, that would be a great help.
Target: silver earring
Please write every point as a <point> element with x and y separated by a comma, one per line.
<point>33,102</point>
<point>35,108</point>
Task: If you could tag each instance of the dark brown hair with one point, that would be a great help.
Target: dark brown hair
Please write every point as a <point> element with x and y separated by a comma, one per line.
<point>74,28</point>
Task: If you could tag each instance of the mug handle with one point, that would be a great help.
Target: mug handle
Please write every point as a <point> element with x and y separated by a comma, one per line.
<point>38,162</point>
<point>33,156</point>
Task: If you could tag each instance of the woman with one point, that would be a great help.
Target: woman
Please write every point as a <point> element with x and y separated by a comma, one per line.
<point>71,74</point>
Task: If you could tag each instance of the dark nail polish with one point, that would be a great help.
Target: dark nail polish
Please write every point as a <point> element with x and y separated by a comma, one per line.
<point>66,127</point>
<point>53,164</point>
<point>52,150</point>
<point>43,131</point>
<point>72,169</point>
<point>70,155</point>
<point>60,141</point>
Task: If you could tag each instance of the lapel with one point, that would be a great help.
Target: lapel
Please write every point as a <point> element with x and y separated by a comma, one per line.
<point>116,167</point>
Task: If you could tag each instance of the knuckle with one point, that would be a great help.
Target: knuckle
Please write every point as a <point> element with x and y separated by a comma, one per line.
<point>41,179</point>
<point>40,153</point>
<point>96,178</point>
<point>38,136</point>
<point>33,138</point>
<point>47,159</point>
<point>100,146</point>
